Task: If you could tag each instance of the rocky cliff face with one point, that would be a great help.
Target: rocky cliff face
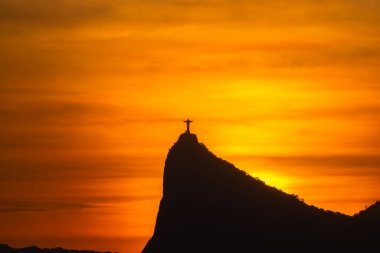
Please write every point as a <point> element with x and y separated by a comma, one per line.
<point>209,205</point>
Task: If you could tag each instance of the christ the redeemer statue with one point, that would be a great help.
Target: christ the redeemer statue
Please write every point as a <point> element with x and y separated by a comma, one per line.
<point>188,125</point>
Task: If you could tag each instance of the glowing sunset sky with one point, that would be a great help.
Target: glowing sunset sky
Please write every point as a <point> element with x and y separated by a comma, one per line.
<point>93,94</point>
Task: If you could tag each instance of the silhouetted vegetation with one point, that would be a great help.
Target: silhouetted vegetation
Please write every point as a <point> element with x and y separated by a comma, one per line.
<point>33,249</point>
<point>209,205</point>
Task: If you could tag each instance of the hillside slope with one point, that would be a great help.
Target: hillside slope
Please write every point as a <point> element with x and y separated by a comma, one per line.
<point>209,205</point>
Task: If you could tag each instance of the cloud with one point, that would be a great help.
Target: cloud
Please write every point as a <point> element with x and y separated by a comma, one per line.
<point>368,114</point>
<point>34,206</point>
<point>74,168</point>
<point>45,14</point>
<point>66,13</point>
<point>88,202</point>
<point>113,39</point>
<point>340,165</point>
<point>43,111</point>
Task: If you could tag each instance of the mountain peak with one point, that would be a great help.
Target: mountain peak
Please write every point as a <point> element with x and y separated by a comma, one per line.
<point>184,165</point>
<point>209,205</point>
<point>187,138</point>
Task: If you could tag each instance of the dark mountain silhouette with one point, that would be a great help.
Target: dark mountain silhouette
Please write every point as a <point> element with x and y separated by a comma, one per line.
<point>4,248</point>
<point>209,205</point>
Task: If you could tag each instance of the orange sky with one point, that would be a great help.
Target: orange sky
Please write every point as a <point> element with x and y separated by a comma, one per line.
<point>93,94</point>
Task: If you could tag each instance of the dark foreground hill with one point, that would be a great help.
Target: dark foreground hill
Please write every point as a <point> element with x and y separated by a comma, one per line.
<point>33,249</point>
<point>208,205</point>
